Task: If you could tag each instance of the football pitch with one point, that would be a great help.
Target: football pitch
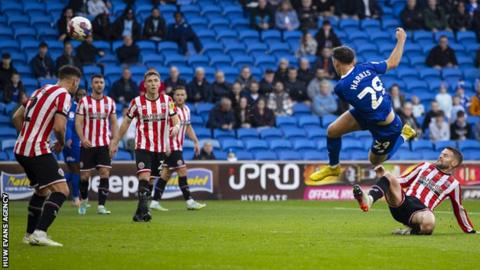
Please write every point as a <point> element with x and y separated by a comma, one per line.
<point>245,235</point>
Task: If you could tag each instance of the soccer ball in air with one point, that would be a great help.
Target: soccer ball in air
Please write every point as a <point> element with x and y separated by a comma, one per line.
<point>79,28</point>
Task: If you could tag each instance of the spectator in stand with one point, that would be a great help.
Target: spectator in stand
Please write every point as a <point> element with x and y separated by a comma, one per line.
<point>252,93</point>
<point>67,58</point>
<point>87,52</point>
<point>406,114</point>
<point>368,9</point>
<point>282,72</point>
<point>439,129</point>
<point>206,153</point>
<point>313,88</point>
<point>127,25</point>
<point>460,19</point>
<point>199,90</point>
<point>220,88</point>
<point>262,116</point>
<point>448,5</point>
<point>347,9</point>
<point>412,16</point>
<point>307,14</point>
<point>181,33</point>
<point>279,101</point>
<point>476,27</point>
<point>442,55</point>
<point>472,7</point>
<point>417,108</point>
<point>236,94</point>
<point>397,98</point>
<point>435,17</point>
<point>14,90</point>
<point>460,92</point>
<point>6,70</point>
<point>243,115</point>
<point>141,85</point>
<point>266,84</point>
<point>275,3</point>
<point>434,110</point>
<point>308,45</point>
<point>305,74</point>
<point>102,28</point>
<point>262,17</point>
<point>325,103</point>
<point>155,27</point>
<point>285,17</point>
<point>295,88</point>
<point>475,105</point>
<point>326,38</point>
<point>325,8</point>
<point>128,53</point>
<point>125,89</point>
<point>62,23</point>
<point>476,131</point>
<point>245,78</point>
<point>461,130</point>
<point>42,64</point>
<point>444,100</point>
<point>222,116</point>
<point>325,62</point>
<point>173,80</point>
<point>79,7</point>
<point>456,107</point>
<point>96,7</point>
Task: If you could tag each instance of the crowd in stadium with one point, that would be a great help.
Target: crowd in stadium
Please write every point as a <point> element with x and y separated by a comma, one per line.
<point>301,74</point>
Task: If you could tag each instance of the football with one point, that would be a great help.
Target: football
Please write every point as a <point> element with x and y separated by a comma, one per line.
<point>79,28</point>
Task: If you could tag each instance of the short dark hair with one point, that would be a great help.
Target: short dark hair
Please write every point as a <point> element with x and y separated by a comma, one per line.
<point>344,54</point>
<point>43,44</point>
<point>179,87</point>
<point>68,71</point>
<point>6,55</point>
<point>457,154</point>
<point>460,114</point>
<point>97,75</point>
<point>151,72</point>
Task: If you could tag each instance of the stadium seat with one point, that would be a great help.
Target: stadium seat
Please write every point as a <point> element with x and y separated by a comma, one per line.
<point>440,145</point>
<point>352,144</point>
<point>233,144</point>
<point>304,144</point>
<point>328,119</point>
<point>422,145</point>
<point>293,133</point>
<point>469,144</point>
<point>203,133</point>
<point>314,155</point>
<point>316,133</point>
<point>247,133</point>
<point>289,155</point>
<point>427,155</point>
<point>122,155</point>
<point>8,144</point>
<point>255,144</point>
<point>243,155</point>
<point>265,155</point>
<point>280,144</point>
<point>286,121</point>
<point>470,154</point>
<point>271,133</point>
<point>357,154</point>
<point>3,156</point>
<point>308,121</point>
<point>271,35</point>
<point>222,134</point>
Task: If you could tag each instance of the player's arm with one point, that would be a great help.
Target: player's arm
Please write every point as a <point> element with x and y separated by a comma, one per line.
<point>394,60</point>
<point>408,178</point>
<point>460,212</point>
<point>18,118</point>
<point>114,124</point>
<point>119,135</point>
<point>60,120</point>
<point>79,125</point>
<point>191,134</point>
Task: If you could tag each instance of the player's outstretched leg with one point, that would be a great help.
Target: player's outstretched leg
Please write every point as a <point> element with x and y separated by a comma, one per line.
<point>142,213</point>
<point>103,189</point>
<point>344,124</point>
<point>407,134</point>
<point>157,195</point>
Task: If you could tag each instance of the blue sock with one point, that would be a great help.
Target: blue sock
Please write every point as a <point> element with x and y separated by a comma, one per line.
<point>334,145</point>
<point>75,182</point>
<point>395,147</point>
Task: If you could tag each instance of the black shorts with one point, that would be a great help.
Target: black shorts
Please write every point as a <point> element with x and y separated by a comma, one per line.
<point>149,162</point>
<point>94,157</point>
<point>175,160</point>
<point>42,171</point>
<point>405,211</point>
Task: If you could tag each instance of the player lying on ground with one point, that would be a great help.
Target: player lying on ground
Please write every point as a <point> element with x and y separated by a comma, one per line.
<point>174,161</point>
<point>46,109</point>
<point>96,122</point>
<point>153,112</point>
<point>372,110</point>
<point>427,185</point>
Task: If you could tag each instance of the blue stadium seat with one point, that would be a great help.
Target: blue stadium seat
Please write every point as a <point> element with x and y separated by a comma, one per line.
<point>407,74</point>
<point>198,60</point>
<point>3,156</point>
<point>429,73</point>
<point>422,35</point>
<point>271,35</point>
<point>9,6</point>
<point>247,133</point>
<point>422,145</point>
<point>271,133</point>
<point>292,36</point>
<point>304,144</point>
<point>440,145</point>
<point>243,155</point>
<point>428,155</point>
<point>174,59</point>
<point>248,35</point>
<point>215,143</point>
<point>255,144</point>
<point>466,37</point>
<point>316,133</point>
<point>203,133</point>
<point>289,155</point>
<point>469,145</point>
<point>308,121</point>
<point>222,134</point>
<point>471,73</point>
<point>315,155</point>
<point>256,47</point>
<point>8,144</point>
<point>328,119</point>
<point>211,10</point>
<point>204,107</point>
<point>280,144</point>
<point>451,74</point>
<point>301,109</point>
<point>403,154</point>
<point>370,24</point>
<point>346,23</point>
<point>232,11</point>
<point>242,60</point>
<point>25,33</point>
<point>279,48</point>
<point>352,144</point>
<point>286,121</point>
<point>123,155</point>
<point>293,133</point>
<point>167,47</point>
<point>265,155</point>
<point>233,144</point>
<point>357,154</point>
<point>470,154</point>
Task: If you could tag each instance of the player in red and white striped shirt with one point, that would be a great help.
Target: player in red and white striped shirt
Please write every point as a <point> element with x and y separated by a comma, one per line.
<point>153,112</point>
<point>45,111</point>
<point>174,160</point>
<point>426,186</point>
<point>95,122</point>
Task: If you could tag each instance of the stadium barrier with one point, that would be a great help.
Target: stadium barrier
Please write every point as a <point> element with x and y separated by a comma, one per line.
<point>247,181</point>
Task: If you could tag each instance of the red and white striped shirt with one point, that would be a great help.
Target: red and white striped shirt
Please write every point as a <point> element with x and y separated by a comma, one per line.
<point>96,121</point>
<point>431,186</point>
<point>176,142</point>
<point>40,112</point>
<point>152,122</point>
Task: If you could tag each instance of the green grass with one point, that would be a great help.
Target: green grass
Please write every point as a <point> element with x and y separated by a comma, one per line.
<point>245,235</point>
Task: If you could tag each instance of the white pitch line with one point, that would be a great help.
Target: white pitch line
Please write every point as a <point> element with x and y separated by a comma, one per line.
<point>385,210</point>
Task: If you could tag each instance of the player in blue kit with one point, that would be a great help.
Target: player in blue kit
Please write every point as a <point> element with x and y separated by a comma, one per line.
<point>361,87</point>
<point>71,151</point>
